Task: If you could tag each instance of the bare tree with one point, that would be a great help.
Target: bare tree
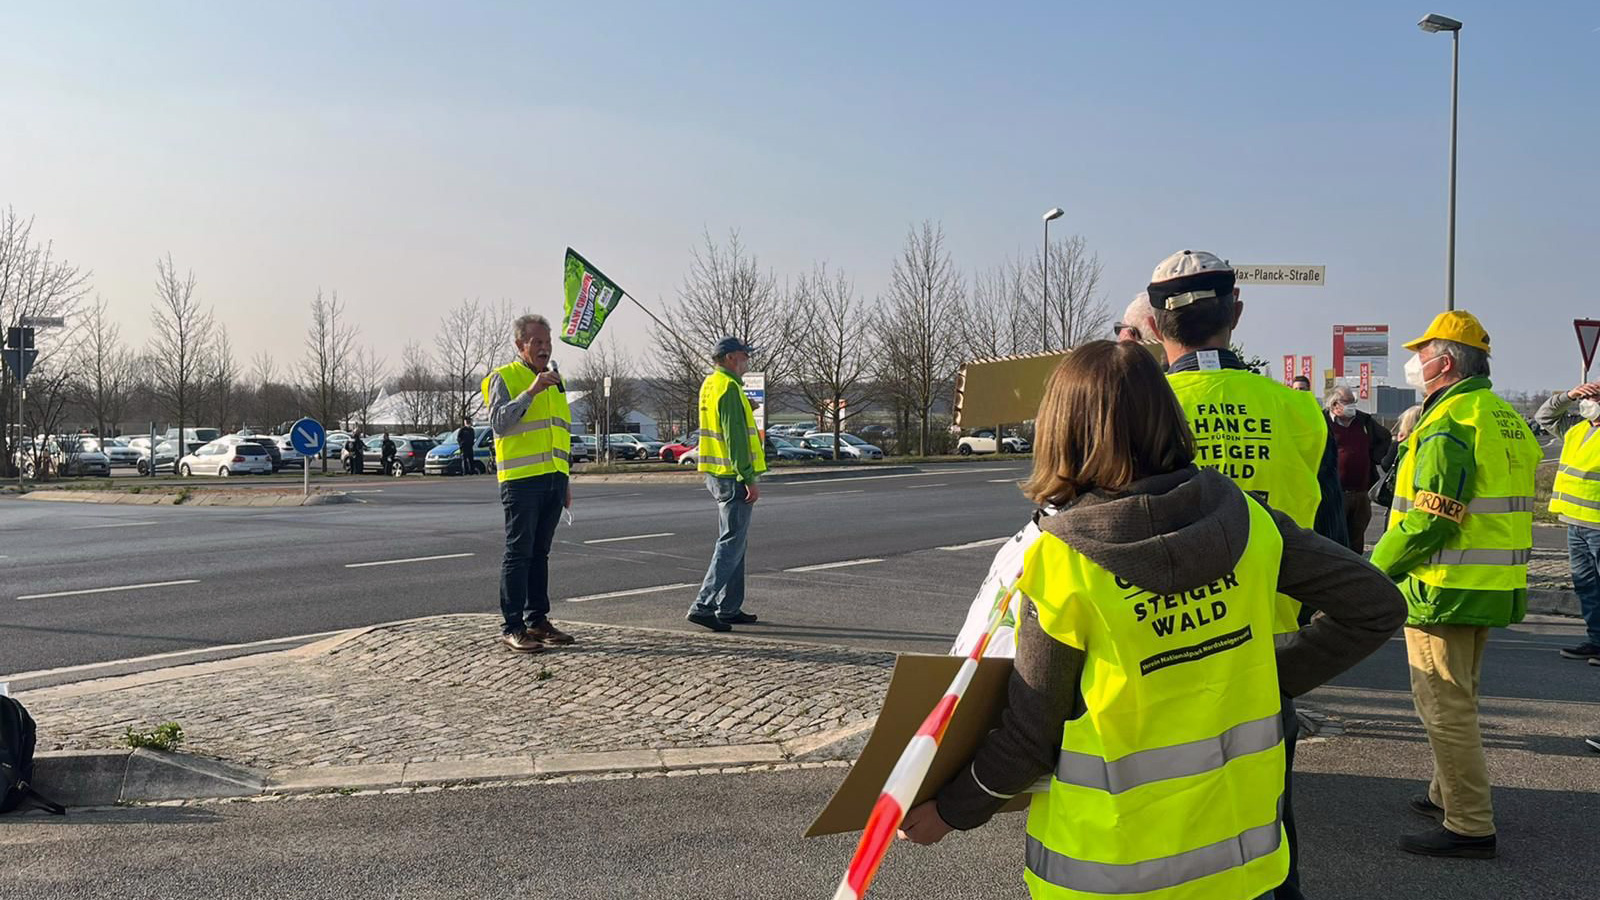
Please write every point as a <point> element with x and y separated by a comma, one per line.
<point>998,320</point>
<point>222,380</point>
<point>605,359</point>
<point>367,377</point>
<point>325,370</point>
<point>32,283</point>
<point>104,366</point>
<point>460,345</point>
<point>835,348</point>
<point>420,390</point>
<point>918,325</point>
<point>727,293</point>
<point>179,344</point>
<point>1076,312</point>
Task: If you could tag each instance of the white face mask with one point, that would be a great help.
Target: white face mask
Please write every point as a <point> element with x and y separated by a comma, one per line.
<point>1589,409</point>
<point>1345,414</point>
<point>1414,376</point>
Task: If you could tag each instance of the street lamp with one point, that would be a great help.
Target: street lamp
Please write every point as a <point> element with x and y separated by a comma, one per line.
<point>1434,23</point>
<point>1054,213</point>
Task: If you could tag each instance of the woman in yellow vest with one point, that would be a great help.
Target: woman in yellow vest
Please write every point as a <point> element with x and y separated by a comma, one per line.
<point>1146,685</point>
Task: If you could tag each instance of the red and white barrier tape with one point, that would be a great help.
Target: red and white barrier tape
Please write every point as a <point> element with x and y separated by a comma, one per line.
<point>906,778</point>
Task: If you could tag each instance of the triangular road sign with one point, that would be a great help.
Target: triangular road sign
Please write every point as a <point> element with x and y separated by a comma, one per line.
<point>1588,336</point>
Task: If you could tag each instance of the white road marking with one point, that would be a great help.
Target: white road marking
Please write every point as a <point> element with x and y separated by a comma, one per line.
<point>834,565</point>
<point>111,525</point>
<point>991,542</point>
<point>900,475</point>
<point>395,562</point>
<point>913,487</point>
<point>366,491</point>
<point>631,593</point>
<point>106,590</point>
<point>831,493</point>
<point>631,537</point>
<point>1004,480</point>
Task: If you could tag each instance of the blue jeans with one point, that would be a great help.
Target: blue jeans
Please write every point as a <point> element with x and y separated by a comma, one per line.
<point>1583,549</point>
<point>722,592</point>
<point>533,509</point>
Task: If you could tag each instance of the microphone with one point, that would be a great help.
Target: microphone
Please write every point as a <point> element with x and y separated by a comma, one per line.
<point>561,384</point>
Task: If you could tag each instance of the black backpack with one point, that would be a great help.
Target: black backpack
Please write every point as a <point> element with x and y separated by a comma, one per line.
<point>17,739</point>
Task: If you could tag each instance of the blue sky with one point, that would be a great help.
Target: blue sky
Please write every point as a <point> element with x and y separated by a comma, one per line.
<point>410,155</point>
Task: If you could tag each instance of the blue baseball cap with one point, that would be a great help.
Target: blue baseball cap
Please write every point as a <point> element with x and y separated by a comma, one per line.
<point>730,345</point>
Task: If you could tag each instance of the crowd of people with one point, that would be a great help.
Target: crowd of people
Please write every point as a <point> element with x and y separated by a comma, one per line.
<point>1194,563</point>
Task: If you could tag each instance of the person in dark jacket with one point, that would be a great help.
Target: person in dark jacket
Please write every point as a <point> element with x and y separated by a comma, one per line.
<point>388,454</point>
<point>1362,444</point>
<point>467,440</point>
<point>1115,478</point>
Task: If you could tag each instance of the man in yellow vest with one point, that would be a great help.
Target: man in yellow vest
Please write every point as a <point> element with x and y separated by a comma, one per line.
<point>1460,534</point>
<point>1270,440</point>
<point>532,428</point>
<point>1576,500</point>
<point>732,458</point>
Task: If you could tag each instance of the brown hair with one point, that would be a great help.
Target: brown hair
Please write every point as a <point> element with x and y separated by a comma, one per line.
<point>1108,419</point>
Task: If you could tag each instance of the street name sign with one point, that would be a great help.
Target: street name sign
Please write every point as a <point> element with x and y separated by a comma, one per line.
<point>1298,276</point>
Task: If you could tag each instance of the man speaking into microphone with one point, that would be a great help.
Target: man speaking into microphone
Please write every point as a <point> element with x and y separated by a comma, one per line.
<point>532,450</point>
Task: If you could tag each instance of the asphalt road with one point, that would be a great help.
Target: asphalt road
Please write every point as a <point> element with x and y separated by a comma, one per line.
<point>231,576</point>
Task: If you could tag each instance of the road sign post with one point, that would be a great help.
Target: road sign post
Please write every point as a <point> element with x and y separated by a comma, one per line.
<point>1588,336</point>
<point>308,437</point>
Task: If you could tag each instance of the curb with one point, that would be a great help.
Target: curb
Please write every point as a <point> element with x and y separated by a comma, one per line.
<point>200,497</point>
<point>1556,603</point>
<point>106,777</point>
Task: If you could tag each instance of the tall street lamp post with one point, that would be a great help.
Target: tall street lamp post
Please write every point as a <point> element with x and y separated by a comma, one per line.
<point>1054,213</point>
<point>1433,24</point>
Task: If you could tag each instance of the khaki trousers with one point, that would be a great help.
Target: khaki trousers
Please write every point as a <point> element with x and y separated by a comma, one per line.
<point>1446,661</point>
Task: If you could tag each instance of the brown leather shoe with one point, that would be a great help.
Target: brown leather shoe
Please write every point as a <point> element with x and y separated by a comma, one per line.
<point>522,642</point>
<point>549,634</point>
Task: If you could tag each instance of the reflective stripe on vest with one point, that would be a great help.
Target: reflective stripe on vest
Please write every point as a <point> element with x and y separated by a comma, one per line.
<point>715,456</point>
<point>541,442</point>
<point>1491,549</point>
<point>1575,496</point>
<point>1181,708</point>
<point>1265,436</point>
<point>1153,874</point>
<point>1161,763</point>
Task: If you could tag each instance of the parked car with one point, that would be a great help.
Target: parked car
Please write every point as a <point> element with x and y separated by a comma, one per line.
<point>334,444</point>
<point>641,448</point>
<point>582,450</point>
<point>670,452</point>
<point>140,443</point>
<point>194,436</point>
<point>166,458</point>
<point>120,451</point>
<point>290,457</point>
<point>783,448</point>
<point>690,457</point>
<point>62,456</point>
<point>822,446</point>
<point>410,454</point>
<point>850,446</point>
<point>227,457</point>
<point>983,441</point>
<point>445,457</point>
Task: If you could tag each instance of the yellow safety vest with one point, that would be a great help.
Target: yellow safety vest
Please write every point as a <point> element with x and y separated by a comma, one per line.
<point>1267,437</point>
<point>715,457</point>
<point>541,442</point>
<point>1490,552</point>
<point>1168,786</point>
<point>1576,495</point>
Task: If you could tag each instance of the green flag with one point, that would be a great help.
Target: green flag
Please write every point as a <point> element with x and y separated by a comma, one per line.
<point>591,297</point>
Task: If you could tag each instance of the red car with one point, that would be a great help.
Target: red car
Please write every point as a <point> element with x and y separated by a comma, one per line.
<point>677,448</point>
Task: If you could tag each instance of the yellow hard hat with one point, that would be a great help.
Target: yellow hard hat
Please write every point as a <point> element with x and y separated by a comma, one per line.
<point>1455,325</point>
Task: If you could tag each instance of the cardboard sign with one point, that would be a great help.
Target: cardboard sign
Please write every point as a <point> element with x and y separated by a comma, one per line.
<point>918,684</point>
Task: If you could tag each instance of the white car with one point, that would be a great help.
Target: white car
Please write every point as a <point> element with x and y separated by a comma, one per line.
<point>984,442</point>
<point>292,458</point>
<point>121,451</point>
<point>227,457</point>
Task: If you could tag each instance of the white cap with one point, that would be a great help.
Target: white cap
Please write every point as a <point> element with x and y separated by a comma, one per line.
<point>1189,276</point>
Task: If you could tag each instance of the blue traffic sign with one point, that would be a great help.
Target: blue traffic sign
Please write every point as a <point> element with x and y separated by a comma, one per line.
<point>308,437</point>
